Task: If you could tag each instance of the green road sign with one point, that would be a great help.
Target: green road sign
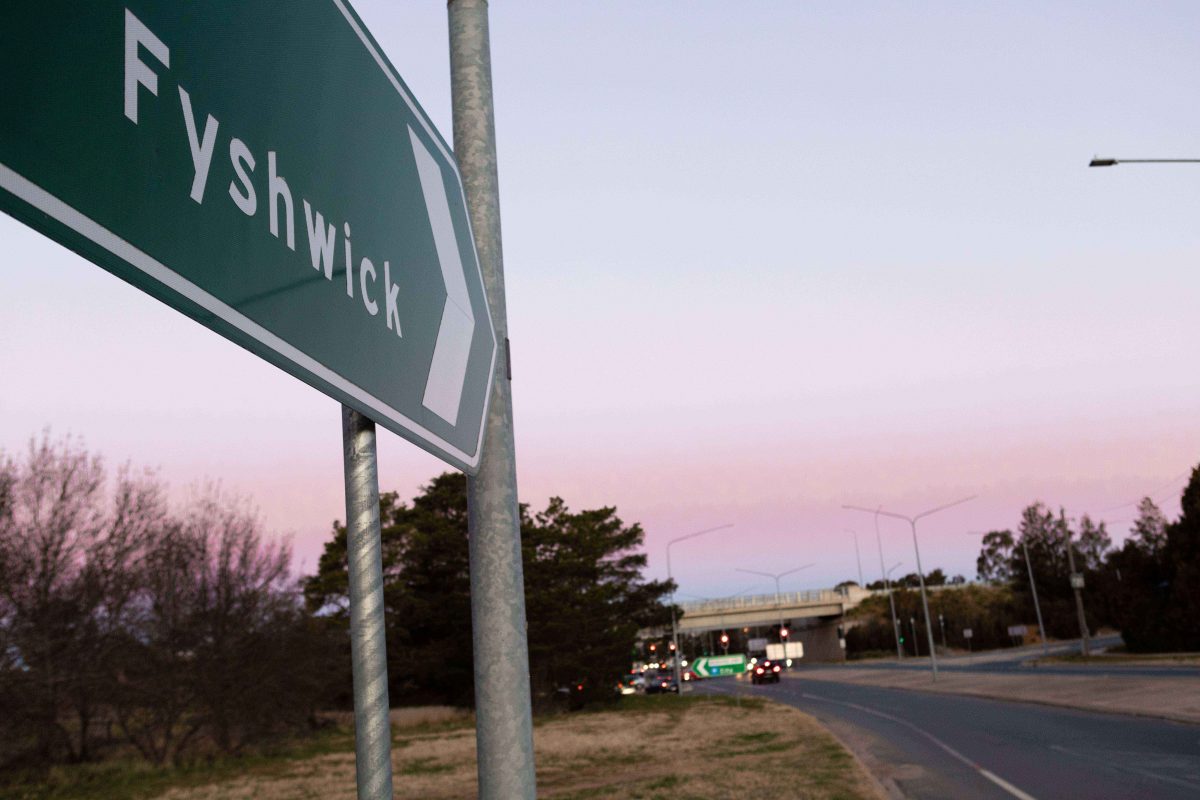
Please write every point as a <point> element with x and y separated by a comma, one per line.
<point>261,167</point>
<point>716,666</point>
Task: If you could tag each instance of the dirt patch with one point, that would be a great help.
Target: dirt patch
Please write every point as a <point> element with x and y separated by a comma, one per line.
<point>689,748</point>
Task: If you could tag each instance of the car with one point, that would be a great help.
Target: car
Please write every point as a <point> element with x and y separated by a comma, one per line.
<point>661,682</point>
<point>765,671</point>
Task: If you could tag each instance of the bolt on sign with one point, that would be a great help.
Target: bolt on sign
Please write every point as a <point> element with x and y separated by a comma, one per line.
<point>262,168</point>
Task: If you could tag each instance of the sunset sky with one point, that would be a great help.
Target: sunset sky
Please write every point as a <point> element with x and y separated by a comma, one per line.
<point>763,260</point>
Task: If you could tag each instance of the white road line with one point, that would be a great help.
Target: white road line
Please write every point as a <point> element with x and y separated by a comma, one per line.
<point>1005,785</point>
<point>1111,763</point>
<point>991,776</point>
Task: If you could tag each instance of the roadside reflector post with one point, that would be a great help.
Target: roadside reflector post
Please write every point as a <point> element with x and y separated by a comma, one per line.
<point>364,557</point>
<point>504,723</point>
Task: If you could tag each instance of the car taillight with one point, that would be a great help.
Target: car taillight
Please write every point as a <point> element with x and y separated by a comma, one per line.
<point>758,671</point>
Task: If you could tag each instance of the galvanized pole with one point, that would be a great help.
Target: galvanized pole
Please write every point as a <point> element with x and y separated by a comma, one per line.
<point>924,603</point>
<point>674,625</point>
<point>779,606</point>
<point>778,602</point>
<point>368,652</point>
<point>674,621</point>
<point>912,521</point>
<point>887,585</point>
<point>504,724</point>
<point>1077,587</point>
<point>858,558</point>
<point>1037,607</point>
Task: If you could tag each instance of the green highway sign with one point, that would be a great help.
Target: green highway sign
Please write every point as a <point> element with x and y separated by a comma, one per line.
<point>716,666</point>
<point>262,168</point>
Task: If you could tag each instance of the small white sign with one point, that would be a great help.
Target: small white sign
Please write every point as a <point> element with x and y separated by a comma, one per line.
<point>968,633</point>
<point>795,651</point>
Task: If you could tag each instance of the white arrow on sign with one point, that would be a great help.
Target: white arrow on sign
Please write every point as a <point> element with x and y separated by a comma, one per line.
<point>444,387</point>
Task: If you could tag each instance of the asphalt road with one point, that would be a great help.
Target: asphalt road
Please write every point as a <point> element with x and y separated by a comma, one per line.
<point>925,745</point>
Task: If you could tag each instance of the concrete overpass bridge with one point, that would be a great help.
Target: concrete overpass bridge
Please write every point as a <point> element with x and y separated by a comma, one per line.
<point>811,617</point>
<point>768,609</point>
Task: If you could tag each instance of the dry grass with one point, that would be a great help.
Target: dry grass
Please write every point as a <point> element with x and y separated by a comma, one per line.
<point>661,747</point>
<point>411,717</point>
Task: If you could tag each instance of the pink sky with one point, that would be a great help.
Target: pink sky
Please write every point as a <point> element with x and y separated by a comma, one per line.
<point>759,266</point>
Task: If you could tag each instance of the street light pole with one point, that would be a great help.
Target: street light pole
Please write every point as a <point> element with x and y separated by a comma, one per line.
<point>674,621</point>
<point>1037,606</point>
<point>857,556</point>
<point>912,521</point>
<point>887,585</point>
<point>778,603</point>
<point>1112,162</point>
<point>1077,587</point>
<point>887,578</point>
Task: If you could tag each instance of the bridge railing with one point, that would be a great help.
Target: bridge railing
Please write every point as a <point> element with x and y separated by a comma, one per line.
<point>754,601</point>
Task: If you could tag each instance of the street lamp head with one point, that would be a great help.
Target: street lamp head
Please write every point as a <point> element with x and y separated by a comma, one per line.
<point>1103,162</point>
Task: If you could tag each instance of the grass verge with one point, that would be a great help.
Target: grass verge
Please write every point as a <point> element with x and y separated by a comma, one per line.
<point>682,748</point>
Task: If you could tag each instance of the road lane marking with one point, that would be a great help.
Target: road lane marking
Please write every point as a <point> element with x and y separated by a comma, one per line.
<point>1111,764</point>
<point>991,776</point>
<point>1003,784</point>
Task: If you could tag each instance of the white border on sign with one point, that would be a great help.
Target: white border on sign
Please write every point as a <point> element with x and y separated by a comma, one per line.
<point>47,203</point>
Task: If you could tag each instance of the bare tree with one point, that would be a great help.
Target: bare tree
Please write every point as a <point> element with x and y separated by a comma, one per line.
<point>178,628</point>
<point>68,555</point>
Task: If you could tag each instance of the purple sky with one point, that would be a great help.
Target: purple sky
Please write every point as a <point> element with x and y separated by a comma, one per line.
<point>760,264</point>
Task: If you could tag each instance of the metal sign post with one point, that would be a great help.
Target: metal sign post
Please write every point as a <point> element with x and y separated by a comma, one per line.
<point>504,723</point>
<point>368,652</point>
<point>269,174</point>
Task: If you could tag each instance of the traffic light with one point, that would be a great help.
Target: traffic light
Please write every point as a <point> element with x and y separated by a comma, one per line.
<point>783,633</point>
<point>724,638</point>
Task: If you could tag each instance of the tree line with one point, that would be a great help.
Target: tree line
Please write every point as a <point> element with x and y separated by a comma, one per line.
<point>585,598</point>
<point>130,625</point>
<point>125,623</point>
<point>1148,588</point>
